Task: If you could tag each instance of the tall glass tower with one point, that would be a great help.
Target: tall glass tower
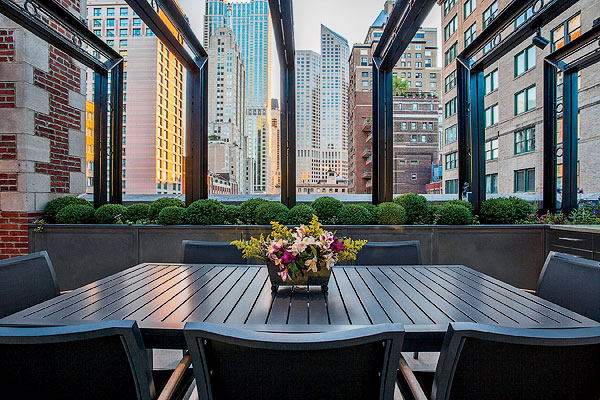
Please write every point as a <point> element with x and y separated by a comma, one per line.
<point>252,29</point>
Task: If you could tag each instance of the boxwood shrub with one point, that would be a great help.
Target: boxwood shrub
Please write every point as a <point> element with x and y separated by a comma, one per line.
<point>232,214</point>
<point>354,214</point>
<point>327,209</point>
<point>76,214</point>
<point>372,208</point>
<point>205,212</point>
<point>55,205</point>
<point>138,212</point>
<point>301,214</point>
<point>171,215</point>
<point>452,214</point>
<point>416,207</point>
<point>159,204</point>
<point>523,208</point>
<point>248,208</point>
<point>272,211</point>
<point>497,211</point>
<point>391,214</point>
<point>111,213</point>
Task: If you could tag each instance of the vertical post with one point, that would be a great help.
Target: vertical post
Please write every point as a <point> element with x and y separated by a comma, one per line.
<point>570,141</point>
<point>463,106</point>
<point>477,142</point>
<point>100,136</point>
<point>116,135</point>
<point>288,135</point>
<point>196,163</point>
<point>382,177</point>
<point>549,190</point>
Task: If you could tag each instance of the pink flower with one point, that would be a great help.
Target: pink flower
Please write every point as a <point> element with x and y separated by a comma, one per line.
<point>283,274</point>
<point>337,245</point>
<point>287,257</point>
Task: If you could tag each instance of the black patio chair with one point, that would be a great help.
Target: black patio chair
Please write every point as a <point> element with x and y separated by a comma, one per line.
<point>231,363</point>
<point>193,252</point>
<point>104,360</point>
<point>571,282</point>
<point>26,281</point>
<point>485,362</point>
<point>390,253</point>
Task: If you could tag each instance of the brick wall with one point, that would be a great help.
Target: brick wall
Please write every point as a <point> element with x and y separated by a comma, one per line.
<point>7,95</point>
<point>7,46</point>
<point>13,233</point>
<point>8,147</point>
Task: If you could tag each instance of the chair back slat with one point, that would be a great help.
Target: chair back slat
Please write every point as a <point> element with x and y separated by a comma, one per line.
<point>483,362</point>
<point>354,364</point>
<point>194,252</point>
<point>390,253</point>
<point>571,282</point>
<point>93,361</point>
<point>26,281</point>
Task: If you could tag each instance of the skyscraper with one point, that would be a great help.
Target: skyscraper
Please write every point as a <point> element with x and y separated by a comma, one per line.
<point>334,102</point>
<point>252,29</point>
<point>308,117</point>
<point>153,100</point>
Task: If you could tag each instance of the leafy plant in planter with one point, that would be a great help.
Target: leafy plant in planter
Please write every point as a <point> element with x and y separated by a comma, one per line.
<point>522,208</point>
<point>272,212</point>
<point>416,207</point>
<point>76,214</point>
<point>391,214</point>
<point>452,214</point>
<point>172,215</point>
<point>497,211</point>
<point>354,214</point>
<point>463,203</point>
<point>372,209</point>
<point>248,208</point>
<point>55,205</point>
<point>111,213</point>
<point>137,212</point>
<point>159,204</point>
<point>232,214</point>
<point>327,209</point>
<point>205,212</point>
<point>301,214</point>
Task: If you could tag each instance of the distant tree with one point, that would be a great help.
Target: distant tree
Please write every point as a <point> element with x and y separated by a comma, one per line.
<point>399,86</point>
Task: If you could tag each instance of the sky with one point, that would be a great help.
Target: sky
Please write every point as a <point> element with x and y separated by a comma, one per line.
<point>349,18</point>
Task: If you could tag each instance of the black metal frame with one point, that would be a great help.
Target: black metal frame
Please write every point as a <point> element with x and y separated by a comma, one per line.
<point>282,17</point>
<point>470,89</point>
<point>26,16</point>
<point>402,24</point>
<point>570,108</point>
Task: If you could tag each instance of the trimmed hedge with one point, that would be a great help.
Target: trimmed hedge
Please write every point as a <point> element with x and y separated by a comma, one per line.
<point>327,209</point>
<point>172,215</point>
<point>248,208</point>
<point>205,212</point>
<point>159,204</point>
<point>272,212</point>
<point>523,208</point>
<point>301,214</point>
<point>232,214</point>
<point>54,206</point>
<point>391,214</point>
<point>497,211</point>
<point>138,212</point>
<point>76,214</point>
<point>452,214</point>
<point>372,208</point>
<point>354,214</point>
<point>416,207</point>
<point>111,213</point>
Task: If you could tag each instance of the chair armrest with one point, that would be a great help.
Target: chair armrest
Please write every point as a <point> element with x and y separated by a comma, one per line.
<point>411,381</point>
<point>529,291</point>
<point>65,292</point>
<point>175,378</point>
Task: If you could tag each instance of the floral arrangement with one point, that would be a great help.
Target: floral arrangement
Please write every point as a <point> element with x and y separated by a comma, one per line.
<point>301,249</point>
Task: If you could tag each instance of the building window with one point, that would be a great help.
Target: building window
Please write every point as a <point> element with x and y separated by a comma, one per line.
<point>491,81</point>
<point>451,161</point>
<point>452,186</point>
<point>450,28</point>
<point>97,23</point>
<point>404,126</point>
<point>525,60</point>
<point>136,32</point>
<point>137,22</point>
<point>490,13</point>
<point>110,12</point>
<point>122,32</point>
<point>413,177</point>
<point>124,11</point>
<point>491,184</point>
<point>110,33</point>
<point>450,81</point>
<point>525,180</point>
<point>149,32</point>
<point>110,22</point>
<point>124,23</point>
<point>469,7</point>
<point>525,100</point>
<point>413,126</point>
<point>491,150</point>
<point>364,61</point>
<point>123,43</point>
<point>451,134</point>
<point>524,17</point>
<point>525,140</point>
<point>450,108</point>
<point>413,138</point>
<point>97,12</point>
<point>565,32</point>
<point>470,34</point>
<point>450,54</point>
<point>448,5</point>
<point>491,115</point>
<point>97,32</point>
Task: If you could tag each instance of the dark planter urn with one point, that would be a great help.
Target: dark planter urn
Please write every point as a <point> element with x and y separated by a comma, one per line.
<point>306,278</point>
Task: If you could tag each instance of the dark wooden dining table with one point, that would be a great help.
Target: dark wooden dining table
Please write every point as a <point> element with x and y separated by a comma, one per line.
<point>163,297</point>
